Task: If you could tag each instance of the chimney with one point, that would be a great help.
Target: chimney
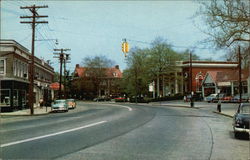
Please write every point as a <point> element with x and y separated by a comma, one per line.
<point>117,66</point>
<point>77,65</point>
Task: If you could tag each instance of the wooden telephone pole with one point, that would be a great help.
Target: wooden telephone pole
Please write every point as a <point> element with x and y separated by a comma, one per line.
<point>239,67</point>
<point>62,58</point>
<point>33,9</point>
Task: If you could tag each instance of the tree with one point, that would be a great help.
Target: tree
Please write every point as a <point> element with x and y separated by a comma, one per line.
<point>185,56</point>
<point>96,70</point>
<point>135,78</point>
<point>228,21</point>
<point>162,61</point>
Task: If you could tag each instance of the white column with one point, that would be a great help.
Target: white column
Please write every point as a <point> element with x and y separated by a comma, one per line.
<point>203,91</point>
<point>153,89</point>
<point>232,89</point>
<point>176,83</point>
<point>248,86</point>
<point>163,86</point>
<point>158,86</point>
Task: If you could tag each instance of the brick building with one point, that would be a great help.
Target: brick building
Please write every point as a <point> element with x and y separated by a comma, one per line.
<point>107,85</point>
<point>14,76</point>
<point>226,82</point>
<point>179,81</point>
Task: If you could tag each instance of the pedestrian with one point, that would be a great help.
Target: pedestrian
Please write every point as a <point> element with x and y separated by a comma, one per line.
<point>41,103</point>
<point>185,99</point>
<point>219,106</point>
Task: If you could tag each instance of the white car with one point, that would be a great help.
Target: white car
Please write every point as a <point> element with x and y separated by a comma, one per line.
<point>60,105</point>
<point>210,98</point>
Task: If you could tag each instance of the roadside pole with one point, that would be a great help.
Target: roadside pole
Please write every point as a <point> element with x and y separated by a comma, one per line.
<point>33,22</point>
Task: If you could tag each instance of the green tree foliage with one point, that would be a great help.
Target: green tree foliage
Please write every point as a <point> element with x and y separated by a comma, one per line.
<point>95,72</point>
<point>150,64</point>
<point>135,78</point>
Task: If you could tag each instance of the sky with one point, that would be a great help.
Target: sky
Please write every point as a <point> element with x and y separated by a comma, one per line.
<point>92,28</point>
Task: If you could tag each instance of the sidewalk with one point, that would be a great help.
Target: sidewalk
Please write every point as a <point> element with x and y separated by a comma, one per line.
<point>26,112</point>
<point>227,109</point>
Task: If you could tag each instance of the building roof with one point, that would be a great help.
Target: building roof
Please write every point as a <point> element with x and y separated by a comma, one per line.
<point>113,72</point>
<point>210,64</point>
<point>227,76</point>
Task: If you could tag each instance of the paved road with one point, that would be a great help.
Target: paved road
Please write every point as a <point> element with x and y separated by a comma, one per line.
<point>98,131</point>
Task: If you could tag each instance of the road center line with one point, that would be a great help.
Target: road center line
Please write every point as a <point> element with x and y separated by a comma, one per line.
<point>50,135</point>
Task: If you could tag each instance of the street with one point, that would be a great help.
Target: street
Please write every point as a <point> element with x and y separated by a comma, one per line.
<point>109,131</point>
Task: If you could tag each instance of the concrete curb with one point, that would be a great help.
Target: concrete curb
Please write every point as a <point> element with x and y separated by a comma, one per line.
<point>227,115</point>
<point>169,105</point>
<point>23,114</point>
<point>181,106</point>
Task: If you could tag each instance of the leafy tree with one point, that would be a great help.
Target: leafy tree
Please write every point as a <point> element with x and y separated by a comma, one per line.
<point>135,78</point>
<point>162,61</point>
<point>96,70</point>
<point>185,56</point>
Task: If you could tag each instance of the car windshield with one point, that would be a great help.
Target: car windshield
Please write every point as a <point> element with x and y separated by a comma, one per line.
<point>245,109</point>
<point>59,101</point>
<point>212,95</point>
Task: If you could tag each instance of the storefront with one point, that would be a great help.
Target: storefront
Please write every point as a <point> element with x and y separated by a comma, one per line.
<point>13,95</point>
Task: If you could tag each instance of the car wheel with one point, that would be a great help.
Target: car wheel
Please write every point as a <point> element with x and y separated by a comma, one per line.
<point>236,134</point>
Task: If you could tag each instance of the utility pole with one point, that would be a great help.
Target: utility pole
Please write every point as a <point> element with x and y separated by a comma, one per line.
<point>190,76</point>
<point>239,67</point>
<point>33,9</point>
<point>65,60</point>
<point>61,59</point>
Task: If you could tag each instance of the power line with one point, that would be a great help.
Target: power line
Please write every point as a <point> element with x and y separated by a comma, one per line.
<point>174,46</point>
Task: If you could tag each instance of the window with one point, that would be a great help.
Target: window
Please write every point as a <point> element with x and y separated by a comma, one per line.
<point>2,66</point>
<point>15,68</point>
<point>4,97</point>
<point>115,74</point>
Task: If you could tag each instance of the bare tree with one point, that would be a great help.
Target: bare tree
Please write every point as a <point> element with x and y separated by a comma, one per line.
<point>228,21</point>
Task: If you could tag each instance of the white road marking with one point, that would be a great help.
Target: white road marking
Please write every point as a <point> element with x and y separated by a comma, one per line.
<point>129,108</point>
<point>50,135</point>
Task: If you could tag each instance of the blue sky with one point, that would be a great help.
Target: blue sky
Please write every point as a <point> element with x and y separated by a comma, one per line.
<point>92,28</point>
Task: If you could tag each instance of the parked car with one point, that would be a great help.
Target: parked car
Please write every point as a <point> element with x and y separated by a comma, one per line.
<point>241,119</point>
<point>71,103</point>
<point>226,99</point>
<point>210,98</point>
<point>196,97</point>
<point>244,98</point>
<point>218,97</point>
<point>60,105</point>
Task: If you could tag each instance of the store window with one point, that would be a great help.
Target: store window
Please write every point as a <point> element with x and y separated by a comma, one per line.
<point>5,97</point>
<point>2,66</point>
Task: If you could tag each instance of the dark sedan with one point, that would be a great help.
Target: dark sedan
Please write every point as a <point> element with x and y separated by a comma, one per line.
<point>241,119</point>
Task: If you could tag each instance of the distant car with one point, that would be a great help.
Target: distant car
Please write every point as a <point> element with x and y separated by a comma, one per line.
<point>244,98</point>
<point>196,97</point>
<point>71,103</point>
<point>218,97</point>
<point>60,105</point>
<point>241,119</point>
<point>226,99</point>
<point>210,98</point>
